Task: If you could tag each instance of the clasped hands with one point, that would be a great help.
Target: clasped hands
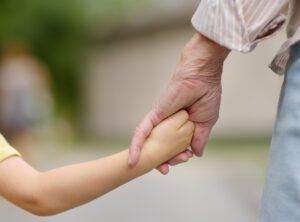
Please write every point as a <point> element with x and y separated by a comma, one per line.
<point>196,88</point>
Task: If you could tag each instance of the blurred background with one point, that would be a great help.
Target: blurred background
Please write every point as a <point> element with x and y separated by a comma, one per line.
<point>76,76</point>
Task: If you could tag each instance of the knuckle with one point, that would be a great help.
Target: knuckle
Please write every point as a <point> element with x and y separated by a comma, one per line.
<point>183,114</point>
<point>156,114</point>
<point>191,125</point>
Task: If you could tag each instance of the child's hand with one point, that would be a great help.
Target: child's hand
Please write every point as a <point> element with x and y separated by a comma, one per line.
<point>169,138</point>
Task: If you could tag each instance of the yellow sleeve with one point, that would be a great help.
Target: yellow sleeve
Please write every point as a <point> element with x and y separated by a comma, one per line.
<point>6,150</point>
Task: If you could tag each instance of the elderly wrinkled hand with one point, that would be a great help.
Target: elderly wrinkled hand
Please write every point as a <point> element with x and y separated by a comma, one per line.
<point>195,87</point>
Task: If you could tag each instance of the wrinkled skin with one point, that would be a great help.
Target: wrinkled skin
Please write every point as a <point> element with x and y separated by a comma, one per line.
<point>195,87</point>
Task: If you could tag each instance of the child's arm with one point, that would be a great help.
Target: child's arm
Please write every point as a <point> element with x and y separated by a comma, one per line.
<point>61,189</point>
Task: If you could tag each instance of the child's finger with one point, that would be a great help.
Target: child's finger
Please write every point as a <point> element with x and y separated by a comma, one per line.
<point>163,168</point>
<point>188,127</point>
<point>181,158</point>
<point>177,119</point>
<point>189,153</point>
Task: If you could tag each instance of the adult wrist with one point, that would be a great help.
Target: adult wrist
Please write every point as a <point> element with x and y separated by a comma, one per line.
<point>205,48</point>
<point>202,57</point>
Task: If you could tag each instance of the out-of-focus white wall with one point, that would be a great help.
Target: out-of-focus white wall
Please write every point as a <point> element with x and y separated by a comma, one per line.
<point>125,77</point>
<point>250,92</point>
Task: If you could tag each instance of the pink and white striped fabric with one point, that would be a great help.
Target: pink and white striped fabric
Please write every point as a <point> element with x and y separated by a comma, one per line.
<point>241,24</point>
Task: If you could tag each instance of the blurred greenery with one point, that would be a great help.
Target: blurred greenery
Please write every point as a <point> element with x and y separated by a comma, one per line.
<point>221,144</point>
<point>55,32</point>
<point>58,33</point>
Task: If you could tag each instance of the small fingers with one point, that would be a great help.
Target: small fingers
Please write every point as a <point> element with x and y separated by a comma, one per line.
<point>181,158</point>
<point>188,127</point>
<point>189,153</point>
<point>181,115</point>
<point>177,120</point>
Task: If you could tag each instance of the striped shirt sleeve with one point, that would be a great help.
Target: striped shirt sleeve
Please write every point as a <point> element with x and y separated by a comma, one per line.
<point>239,24</point>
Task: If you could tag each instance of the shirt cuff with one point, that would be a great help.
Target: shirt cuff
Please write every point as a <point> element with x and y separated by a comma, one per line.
<point>224,23</point>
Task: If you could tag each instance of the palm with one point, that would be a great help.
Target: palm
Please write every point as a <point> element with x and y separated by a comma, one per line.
<point>200,97</point>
